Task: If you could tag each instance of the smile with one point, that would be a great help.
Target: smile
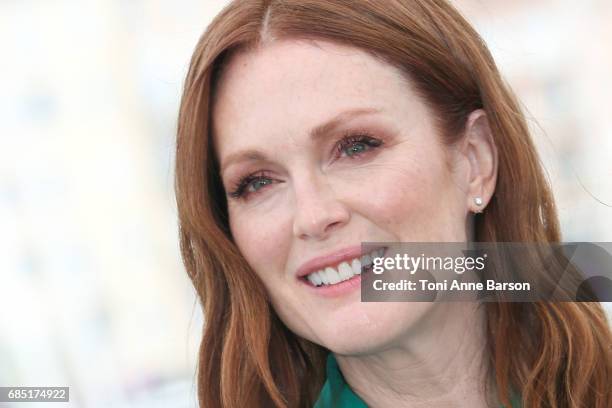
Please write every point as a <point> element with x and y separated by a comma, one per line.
<point>343,271</point>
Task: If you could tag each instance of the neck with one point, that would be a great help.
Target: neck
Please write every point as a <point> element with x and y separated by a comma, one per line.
<point>440,364</point>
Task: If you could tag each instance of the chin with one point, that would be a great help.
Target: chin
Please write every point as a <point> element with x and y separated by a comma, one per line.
<point>370,327</point>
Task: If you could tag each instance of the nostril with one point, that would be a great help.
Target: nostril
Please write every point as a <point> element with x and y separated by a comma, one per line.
<point>333,225</point>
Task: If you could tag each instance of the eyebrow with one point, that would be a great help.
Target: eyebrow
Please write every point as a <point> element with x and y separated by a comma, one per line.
<point>315,133</point>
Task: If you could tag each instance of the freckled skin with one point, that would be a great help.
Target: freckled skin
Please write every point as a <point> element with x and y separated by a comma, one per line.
<point>269,99</point>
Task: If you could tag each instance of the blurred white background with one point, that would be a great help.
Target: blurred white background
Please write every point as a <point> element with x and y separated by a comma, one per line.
<point>92,291</point>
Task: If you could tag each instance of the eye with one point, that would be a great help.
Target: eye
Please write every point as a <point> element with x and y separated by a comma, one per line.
<point>257,184</point>
<point>355,148</point>
<point>250,184</point>
<point>356,145</point>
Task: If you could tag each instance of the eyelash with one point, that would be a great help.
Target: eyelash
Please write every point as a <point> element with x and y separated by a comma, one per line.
<point>239,188</point>
<point>353,138</point>
<point>345,142</point>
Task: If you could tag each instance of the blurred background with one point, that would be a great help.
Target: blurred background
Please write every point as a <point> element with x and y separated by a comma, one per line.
<point>92,291</point>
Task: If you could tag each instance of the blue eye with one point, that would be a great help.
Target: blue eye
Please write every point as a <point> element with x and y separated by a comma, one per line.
<point>250,184</point>
<point>257,184</point>
<point>355,148</point>
<point>355,145</point>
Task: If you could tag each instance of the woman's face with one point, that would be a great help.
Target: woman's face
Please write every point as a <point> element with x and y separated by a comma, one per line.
<point>323,147</point>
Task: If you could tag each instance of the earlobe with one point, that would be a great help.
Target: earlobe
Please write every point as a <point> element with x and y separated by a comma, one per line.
<point>480,150</point>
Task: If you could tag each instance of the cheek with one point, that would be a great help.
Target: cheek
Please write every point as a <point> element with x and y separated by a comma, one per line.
<point>262,239</point>
<point>265,241</point>
<point>415,199</point>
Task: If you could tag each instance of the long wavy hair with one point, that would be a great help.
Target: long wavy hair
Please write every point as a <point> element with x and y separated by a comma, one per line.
<point>553,354</point>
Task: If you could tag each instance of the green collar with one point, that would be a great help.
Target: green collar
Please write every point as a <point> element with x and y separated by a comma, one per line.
<point>336,393</point>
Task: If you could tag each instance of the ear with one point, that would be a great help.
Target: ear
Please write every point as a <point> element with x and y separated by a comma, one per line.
<point>479,148</point>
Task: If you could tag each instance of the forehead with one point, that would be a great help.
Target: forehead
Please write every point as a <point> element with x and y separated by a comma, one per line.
<point>284,88</point>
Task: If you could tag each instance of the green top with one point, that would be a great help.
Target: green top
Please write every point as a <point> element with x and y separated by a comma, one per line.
<point>336,393</point>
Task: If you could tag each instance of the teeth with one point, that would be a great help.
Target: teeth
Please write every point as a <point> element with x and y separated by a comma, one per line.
<point>332,275</point>
<point>346,270</point>
<point>315,279</point>
<point>324,278</point>
<point>356,267</point>
<point>366,260</point>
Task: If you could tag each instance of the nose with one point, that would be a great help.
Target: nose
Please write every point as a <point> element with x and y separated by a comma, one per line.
<point>318,210</point>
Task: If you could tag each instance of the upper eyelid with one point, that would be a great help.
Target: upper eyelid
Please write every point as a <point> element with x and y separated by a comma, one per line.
<point>243,182</point>
<point>360,136</point>
<point>363,137</point>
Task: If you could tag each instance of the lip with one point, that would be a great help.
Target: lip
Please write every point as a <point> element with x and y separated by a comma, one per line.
<point>337,289</point>
<point>332,259</point>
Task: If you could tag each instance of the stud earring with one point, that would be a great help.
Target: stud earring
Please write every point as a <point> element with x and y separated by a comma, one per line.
<point>478,202</point>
